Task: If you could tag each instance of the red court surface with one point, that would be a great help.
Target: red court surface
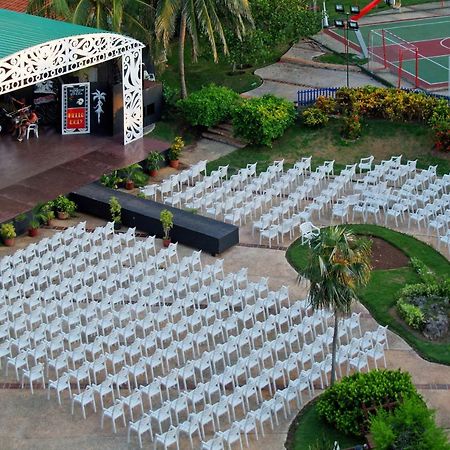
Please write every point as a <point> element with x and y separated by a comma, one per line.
<point>40,169</point>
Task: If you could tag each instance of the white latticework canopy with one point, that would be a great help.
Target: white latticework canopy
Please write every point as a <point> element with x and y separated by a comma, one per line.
<point>61,56</point>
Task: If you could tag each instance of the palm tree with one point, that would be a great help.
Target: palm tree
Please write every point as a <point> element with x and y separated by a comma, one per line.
<point>338,265</point>
<point>131,17</point>
<point>189,17</point>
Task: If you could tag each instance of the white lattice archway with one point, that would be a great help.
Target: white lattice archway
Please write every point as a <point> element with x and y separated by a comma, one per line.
<point>61,56</point>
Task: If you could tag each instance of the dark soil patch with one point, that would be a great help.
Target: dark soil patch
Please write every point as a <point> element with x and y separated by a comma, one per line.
<point>386,256</point>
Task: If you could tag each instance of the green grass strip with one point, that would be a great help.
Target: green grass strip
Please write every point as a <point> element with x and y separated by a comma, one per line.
<point>307,428</point>
<point>380,295</point>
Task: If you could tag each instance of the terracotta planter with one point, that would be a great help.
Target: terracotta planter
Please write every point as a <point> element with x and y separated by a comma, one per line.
<point>174,163</point>
<point>166,242</point>
<point>129,185</point>
<point>33,232</point>
<point>9,242</point>
<point>153,172</point>
<point>50,223</point>
<point>62,215</point>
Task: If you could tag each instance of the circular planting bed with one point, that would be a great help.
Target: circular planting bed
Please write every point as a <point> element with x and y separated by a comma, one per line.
<point>395,265</point>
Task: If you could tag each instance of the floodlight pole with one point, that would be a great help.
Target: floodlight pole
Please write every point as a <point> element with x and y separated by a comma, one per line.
<point>346,48</point>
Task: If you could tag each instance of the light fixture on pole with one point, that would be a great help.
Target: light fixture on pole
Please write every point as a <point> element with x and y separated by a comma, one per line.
<point>346,24</point>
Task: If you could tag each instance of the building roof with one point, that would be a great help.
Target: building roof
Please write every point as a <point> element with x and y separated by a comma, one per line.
<point>19,31</point>
<point>14,5</point>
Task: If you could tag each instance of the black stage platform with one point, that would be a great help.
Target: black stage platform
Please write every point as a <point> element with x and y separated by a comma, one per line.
<point>189,229</point>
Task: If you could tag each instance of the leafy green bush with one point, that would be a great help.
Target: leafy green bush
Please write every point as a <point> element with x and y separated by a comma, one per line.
<point>410,426</point>
<point>209,106</point>
<point>411,314</point>
<point>341,404</point>
<point>314,117</point>
<point>264,119</point>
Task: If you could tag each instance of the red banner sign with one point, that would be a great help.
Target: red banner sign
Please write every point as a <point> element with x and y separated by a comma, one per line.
<point>76,118</point>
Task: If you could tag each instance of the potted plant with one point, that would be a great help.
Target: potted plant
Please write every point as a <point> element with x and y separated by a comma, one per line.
<point>129,173</point>
<point>175,151</point>
<point>154,160</point>
<point>8,233</point>
<point>48,213</point>
<point>64,207</point>
<point>38,215</point>
<point>116,212</point>
<point>166,218</point>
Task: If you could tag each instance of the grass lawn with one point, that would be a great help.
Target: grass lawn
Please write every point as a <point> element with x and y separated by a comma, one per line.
<point>205,71</point>
<point>307,428</point>
<point>171,127</point>
<point>379,138</point>
<point>340,58</point>
<point>381,293</point>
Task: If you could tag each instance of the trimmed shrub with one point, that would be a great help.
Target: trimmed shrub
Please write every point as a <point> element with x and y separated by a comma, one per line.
<point>209,106</point>
<point>411,314</point>
<point>341,404</point>
<point>314,117</point>
<point>326,104</point>
<point>393,104</point>
<point>410,426</point>
<point>264,119</point>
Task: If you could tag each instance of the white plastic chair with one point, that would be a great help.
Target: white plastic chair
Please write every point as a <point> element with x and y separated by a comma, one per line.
<point>85,398</point>
<point>140,427</point>
<point>114,412</point>
<point>34,374</point>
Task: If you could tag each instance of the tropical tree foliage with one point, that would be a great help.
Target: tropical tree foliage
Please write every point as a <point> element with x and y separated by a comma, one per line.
<point>131,17</point>
<point>338,265</point>
<point>187,18</point>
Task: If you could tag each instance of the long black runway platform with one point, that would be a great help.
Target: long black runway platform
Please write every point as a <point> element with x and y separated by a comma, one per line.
<point>189,229</point>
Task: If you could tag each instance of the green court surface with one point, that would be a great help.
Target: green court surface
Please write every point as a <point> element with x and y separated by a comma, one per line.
<point>410,30</point>
<point>434,70</point>
<point>431,36</point>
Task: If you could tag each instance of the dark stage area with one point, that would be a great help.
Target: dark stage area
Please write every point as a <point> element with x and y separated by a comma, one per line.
<point>39,169</point>
<point>192,230</point>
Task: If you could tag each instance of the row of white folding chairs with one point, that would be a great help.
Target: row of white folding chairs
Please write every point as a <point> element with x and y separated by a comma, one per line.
<point>44,245</point>
<point>97,274</point>
<point>129,331</point>
<point>122,377</point>
<point>231,375</point>
<point>55,249</point>
<point>59,265</point>
<point>56,314</point>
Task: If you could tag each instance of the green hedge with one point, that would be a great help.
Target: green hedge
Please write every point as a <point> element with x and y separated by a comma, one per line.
<point>209,106</point>
<point>264,119</point>
<point>341,404</point>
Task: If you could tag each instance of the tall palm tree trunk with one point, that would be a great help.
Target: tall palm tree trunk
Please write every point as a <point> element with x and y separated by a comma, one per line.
<point>333,349</point>
<point>181,46</point>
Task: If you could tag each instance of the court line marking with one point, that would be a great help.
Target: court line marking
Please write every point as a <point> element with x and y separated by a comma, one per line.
<point>442,43</point>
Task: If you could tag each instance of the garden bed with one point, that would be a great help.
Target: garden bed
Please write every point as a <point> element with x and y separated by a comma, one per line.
<point>381,293</point>
<point>386,256</point>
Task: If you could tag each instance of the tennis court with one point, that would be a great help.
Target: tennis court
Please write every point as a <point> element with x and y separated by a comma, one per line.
<point>416,50</point>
